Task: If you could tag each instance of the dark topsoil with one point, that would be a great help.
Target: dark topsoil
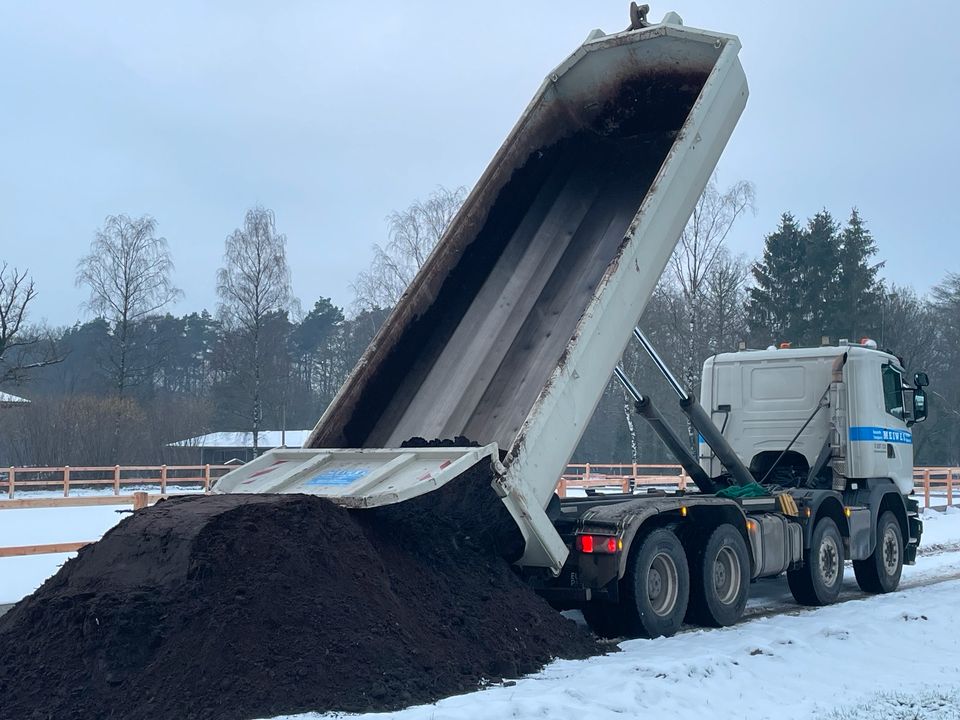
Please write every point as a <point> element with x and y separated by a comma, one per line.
<point>244,606</point>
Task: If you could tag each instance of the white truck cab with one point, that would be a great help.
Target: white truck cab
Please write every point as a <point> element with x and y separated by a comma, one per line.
<point>852,399</point>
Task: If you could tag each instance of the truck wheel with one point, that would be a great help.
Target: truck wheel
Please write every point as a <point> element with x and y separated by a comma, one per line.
<point>656,587</point>
<point>719,577</point>
<point>880,573</point>
<point>604,619</point>
<point>818,581</point>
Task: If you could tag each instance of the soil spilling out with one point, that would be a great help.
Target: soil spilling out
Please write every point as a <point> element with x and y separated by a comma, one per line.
<point>246,606</point>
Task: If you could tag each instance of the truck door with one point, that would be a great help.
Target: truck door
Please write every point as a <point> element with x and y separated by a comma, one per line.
<point>880,443</point>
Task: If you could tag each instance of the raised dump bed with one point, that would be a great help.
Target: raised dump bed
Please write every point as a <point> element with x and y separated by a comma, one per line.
<point>513,326</point>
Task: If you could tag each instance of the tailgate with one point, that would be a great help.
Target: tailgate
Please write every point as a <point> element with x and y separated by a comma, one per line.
<point>354,477</point>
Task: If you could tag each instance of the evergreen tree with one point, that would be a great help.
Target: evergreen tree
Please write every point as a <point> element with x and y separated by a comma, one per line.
<point>317,344</point>
<point>775,305</point>
<point>859,292</point>
<point>819,277</point>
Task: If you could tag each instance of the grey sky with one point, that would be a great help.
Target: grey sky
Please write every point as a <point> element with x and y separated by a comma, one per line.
<point>334,115</point>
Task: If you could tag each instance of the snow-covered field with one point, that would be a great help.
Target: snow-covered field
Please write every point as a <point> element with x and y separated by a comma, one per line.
<point>893,656</point>
<point>20,576</point>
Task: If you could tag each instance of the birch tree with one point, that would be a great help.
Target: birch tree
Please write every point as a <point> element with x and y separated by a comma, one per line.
<point>253,286</point>
<point>413,234</point>
<point>128,273</point>
<point>698,253</point>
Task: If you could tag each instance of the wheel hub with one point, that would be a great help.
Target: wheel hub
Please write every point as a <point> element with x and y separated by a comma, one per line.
<point>891,551</point>
<point>829,561</point>
<point>662,584</point>
<point>654,584</point>
<point>726,575</point>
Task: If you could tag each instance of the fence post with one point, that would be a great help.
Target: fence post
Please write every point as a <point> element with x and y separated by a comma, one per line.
<point>926,488</point>
<point>586,472</point>
<point>116,479</point>
<point>140,500</point>
<point>950,487</point>
<point>12,479</point>
<point>682,484</point>
<point>163,479</point>
<point>562,487</point>
<point>66,481</point>
<point>206,477</point>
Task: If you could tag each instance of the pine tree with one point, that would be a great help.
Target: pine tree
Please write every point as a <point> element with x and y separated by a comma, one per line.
<point>859,292</point>
<point>820,276</point>
<point>775,306</point>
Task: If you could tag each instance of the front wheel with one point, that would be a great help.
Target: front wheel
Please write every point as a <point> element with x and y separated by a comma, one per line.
<point>880,573</point>
<point>818,581</point>
<point>656,587</point>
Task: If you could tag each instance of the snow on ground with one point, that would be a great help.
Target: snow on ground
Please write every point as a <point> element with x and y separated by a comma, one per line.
<point>836,660</point>
<point>892,656</point>
<point>20,576</point>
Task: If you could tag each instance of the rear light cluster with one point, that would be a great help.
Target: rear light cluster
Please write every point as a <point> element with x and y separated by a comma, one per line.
<point>605,544</point>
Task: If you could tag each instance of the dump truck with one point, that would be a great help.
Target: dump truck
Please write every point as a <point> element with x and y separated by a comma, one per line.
<point>515,324</point>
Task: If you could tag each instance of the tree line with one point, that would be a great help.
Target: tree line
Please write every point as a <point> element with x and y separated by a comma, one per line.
<point>120,385</point>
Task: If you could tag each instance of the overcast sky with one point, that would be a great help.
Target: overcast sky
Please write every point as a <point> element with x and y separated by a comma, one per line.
<point>335,115</point>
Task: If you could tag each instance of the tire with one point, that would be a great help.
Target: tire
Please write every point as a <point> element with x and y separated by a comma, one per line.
<point>604,619</point>
<point>818,582</point>
<point>656,587</point>
<point>880,573</point>
<point>719,579</point>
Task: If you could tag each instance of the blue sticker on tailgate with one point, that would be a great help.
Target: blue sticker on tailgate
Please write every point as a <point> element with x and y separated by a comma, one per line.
<point>336,476</point>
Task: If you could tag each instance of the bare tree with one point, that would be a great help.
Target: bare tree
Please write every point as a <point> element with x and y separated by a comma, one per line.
<point>253,286</point>
<point>413,234</point>
<point>128,273</point>
<point>20,349</point>
<point>700,247</point>
<point>725,293</point>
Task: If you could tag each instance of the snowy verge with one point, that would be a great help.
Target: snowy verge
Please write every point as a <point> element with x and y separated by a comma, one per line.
<point>878,654</point>
<point>831,660</point>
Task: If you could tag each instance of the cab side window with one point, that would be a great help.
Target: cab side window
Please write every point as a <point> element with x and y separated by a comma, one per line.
<point>893,391</point>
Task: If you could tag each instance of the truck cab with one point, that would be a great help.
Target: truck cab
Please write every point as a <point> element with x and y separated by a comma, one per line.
<point>849,400</point>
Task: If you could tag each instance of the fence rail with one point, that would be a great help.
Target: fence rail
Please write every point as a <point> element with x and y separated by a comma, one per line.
<point>597,475</point>
<point>936,484</point>
<point>116,477</point>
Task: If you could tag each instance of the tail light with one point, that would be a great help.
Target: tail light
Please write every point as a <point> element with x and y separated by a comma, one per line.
<point>599,544</point>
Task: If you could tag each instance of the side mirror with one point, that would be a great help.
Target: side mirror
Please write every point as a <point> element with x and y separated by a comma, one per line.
<point>919,404</point>
<point>909,406</point>
<point>914,405</point>
<point>921,380</point>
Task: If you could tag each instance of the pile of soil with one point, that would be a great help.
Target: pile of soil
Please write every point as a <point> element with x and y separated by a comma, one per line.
<point>245,606</point>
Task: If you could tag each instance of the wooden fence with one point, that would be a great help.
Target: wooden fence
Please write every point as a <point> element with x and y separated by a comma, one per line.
<point>936,484</point>
<point>31,480</point>
<point>624,477</point>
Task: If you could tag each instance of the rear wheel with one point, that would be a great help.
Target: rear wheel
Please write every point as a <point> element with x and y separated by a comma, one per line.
<point>880,573</point>
<point>656,587</point>
<point>818,581</point>
<point>719,578</point>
